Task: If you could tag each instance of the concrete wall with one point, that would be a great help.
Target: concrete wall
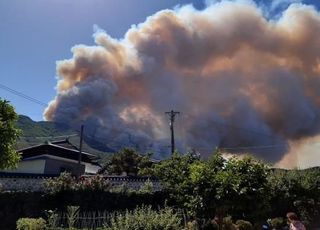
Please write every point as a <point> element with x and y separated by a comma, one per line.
<point>54,166</point>
<point>29,166</point>
<point>22,184</point>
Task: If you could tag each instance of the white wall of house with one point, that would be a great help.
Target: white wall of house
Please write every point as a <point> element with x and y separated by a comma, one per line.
<point>29,166</point>
<point>91,169</point>
<point>40,166</point>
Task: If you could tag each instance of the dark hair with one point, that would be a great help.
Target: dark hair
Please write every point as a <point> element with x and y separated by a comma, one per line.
<point>292,216</point>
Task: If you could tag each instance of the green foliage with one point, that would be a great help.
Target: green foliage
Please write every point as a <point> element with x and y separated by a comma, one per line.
<point>216,185</point>
<point>52,219</point>
<point>174,174</point>
<point>295,190</point>
<point>94,183</point>
<point>277,223</point>
<point>31,224</point>
<point>66,182</point>
<point>242,182</point>
<point>72,215</point>
<point>122,189</point>
<point>144,218</point>
<point>128,161</point>
<point>146,188</point>
<point>9,158</point>
<point>308,209</point>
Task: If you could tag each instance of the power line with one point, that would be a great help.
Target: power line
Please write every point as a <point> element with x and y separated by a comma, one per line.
<point>255,147</point>
<point>20,94</point>
<point>52,137</point>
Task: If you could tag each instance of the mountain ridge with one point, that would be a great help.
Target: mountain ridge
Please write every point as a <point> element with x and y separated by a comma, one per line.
<point>39,132</point>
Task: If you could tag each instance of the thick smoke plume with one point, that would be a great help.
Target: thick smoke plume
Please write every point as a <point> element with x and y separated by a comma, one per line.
<point>242,81</point>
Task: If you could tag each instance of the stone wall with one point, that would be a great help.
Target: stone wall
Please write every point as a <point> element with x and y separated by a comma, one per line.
<point>22,184</point>
<point>34,182</point>
<point>134,183</point>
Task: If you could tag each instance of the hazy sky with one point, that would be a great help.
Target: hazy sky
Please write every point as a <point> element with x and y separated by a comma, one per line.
<point>34,34</point>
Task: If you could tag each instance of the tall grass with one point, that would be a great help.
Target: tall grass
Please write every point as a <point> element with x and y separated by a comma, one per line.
<point>143,217</point>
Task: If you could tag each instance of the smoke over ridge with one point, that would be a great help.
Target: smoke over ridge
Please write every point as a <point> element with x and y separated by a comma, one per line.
<point>238,78</point>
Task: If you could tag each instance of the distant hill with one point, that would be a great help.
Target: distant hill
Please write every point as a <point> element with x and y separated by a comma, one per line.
<point>34,133</point>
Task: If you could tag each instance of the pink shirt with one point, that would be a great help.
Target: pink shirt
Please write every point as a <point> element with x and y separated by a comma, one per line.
<point>297,225</point>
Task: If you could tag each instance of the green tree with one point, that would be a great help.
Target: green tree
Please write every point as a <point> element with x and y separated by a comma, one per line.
<point>9,157</point>
<point>190,181</point>
<point>242,182</point>
<point>128,161</point>
<point>296,190</point>
<point>216,186</point>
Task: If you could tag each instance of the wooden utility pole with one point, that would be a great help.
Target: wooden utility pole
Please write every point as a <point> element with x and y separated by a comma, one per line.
<point>80,152</point>
<point>172,115</point>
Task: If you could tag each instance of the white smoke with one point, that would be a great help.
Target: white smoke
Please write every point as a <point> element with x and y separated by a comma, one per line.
<point>239,79</point>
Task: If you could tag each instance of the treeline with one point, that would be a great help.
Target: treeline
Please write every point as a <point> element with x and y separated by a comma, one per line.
<point>243,188</point>
<point>237,188</point>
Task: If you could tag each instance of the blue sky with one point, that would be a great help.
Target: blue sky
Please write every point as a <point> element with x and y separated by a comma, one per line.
<point>34,34</point>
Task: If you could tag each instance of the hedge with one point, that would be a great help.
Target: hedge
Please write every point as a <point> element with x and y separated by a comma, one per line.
<point>33,204</point>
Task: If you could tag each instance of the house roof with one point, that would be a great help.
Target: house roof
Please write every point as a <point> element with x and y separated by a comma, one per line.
<point>60,149</point>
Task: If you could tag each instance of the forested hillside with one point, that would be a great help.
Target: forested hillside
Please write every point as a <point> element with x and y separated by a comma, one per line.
<point>34,133</point>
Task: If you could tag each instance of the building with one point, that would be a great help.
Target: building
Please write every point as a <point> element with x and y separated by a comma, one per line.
<point>52,158</point>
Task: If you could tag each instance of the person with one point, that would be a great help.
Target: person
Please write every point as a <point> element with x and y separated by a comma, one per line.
<point>295,223</point>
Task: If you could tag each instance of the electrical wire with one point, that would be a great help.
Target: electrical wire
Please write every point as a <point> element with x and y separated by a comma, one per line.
<point>17,93</point>
<point>52,137</point>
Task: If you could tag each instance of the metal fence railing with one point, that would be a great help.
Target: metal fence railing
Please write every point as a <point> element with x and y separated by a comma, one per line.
<point>94,220</point>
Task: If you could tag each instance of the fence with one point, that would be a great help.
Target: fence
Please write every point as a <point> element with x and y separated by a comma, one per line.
<point>92,220</point>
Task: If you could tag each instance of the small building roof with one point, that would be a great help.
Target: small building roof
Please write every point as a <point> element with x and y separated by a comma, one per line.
<point>62,149</point>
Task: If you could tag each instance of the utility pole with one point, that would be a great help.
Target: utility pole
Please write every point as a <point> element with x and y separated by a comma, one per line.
<point>80,152</point>
<point>172,115</point>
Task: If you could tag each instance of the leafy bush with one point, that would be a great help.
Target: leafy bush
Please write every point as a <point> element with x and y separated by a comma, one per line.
<point>276,223</point>
<point>66,182</point>
<point>145,218</point>
<point>31,224</point>
<point>122,189</point>
<point>147,187</point>
<point>95,183</point>
<point>244,225</point>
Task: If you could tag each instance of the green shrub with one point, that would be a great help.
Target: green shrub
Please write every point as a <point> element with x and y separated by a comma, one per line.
<point>244,225</point>
<point>64,182</point>
<point>277,223</point>
<point>145,218</point>
<point>31,224</point>
<point>147,187</point>
<point>95,183</point>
